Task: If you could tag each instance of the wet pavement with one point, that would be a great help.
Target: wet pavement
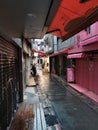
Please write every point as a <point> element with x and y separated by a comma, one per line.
<point>72,111</point>
<point>53,105</point>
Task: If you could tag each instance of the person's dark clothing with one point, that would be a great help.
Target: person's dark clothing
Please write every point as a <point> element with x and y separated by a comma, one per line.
<point>34,70</point>
<point>43,66</point>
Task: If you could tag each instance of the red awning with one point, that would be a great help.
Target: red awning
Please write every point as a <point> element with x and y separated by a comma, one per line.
<point>41,53</point>
<point>73,16</point>
<point>59,52</point>
<point>78,55</point>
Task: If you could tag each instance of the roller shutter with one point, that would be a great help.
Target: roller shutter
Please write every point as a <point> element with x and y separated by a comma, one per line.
<point>8,82</point>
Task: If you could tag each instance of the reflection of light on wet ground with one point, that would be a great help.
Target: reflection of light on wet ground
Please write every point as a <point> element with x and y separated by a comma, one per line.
<point>31,98</point>
<point>30,95</point>
<point>30,90</point>
<point>25,97</point>
<point>44,82</point>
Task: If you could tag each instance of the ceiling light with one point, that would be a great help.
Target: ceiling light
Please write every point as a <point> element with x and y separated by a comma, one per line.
<point>29,14</point>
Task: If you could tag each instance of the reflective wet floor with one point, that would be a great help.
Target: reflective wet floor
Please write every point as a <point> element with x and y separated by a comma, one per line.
<point>72,112</point>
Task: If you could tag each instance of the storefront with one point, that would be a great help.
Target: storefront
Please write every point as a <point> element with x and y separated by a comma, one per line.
<point>86,72</point>
<point>11,92</point>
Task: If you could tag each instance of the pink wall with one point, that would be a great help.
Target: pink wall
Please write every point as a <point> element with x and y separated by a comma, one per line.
<point>81,72</point>
<point>95,74</point>
<point>83,36</point>
<point>86,74</point>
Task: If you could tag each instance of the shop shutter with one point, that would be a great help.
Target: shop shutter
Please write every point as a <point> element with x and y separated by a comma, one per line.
<point>82,72</point>
<point>8,82</point>
<point>87,73</point>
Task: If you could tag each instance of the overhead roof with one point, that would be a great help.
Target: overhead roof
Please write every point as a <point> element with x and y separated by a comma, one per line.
<point>72,16</point>
<point>26,18</point>
<point>33,18</point>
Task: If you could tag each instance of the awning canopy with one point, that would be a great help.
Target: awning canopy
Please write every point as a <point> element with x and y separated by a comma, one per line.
<point>64,51</point>
<point>78,55</point>
<point>41,53</point>
<point>73,16</point>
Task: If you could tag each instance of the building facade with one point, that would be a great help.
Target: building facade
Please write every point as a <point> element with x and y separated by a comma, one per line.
<point>78,57</point>
<point>85,55</point>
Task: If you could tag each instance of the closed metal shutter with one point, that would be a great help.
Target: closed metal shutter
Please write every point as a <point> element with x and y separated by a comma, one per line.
<point>8,82</point>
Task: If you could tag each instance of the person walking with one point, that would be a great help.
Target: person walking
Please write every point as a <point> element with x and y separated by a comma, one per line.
<point>33,69</point>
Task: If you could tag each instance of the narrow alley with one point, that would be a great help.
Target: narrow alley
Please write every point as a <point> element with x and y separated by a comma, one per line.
<point>71,110</point>
<point>56,106</point>
<point>49,65</point>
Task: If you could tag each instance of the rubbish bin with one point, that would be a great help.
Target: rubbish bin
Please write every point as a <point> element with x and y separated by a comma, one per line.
<point>70,74</point>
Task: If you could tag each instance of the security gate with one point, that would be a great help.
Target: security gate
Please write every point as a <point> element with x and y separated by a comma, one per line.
<point>8,82</point>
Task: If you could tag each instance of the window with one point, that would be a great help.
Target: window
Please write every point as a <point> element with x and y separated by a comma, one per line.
<point>88,30</point>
